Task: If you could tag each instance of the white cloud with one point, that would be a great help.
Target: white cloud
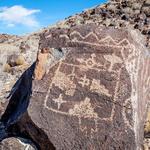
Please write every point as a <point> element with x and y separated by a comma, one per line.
<point>10,25</point>
<point>17,14</point>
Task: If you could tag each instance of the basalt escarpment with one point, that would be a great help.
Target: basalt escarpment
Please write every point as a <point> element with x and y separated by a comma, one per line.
<point>94,96</point>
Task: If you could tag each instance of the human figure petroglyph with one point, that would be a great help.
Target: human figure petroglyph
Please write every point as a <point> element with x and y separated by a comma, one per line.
<point>89,63</point>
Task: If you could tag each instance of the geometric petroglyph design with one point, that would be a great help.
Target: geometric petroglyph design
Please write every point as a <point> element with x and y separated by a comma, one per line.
<point>84,81</point>
<point>59,101</point>
<point>107,41</point>
<point>90,62</point>
<point>86,76</point>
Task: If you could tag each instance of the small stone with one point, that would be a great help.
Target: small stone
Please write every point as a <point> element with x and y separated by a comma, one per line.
<point>124,17</point>
<point>111,7</point>
<point>24,47</point>
<point>147,144</point>
<point>136,6</point>
<point>146,10</point>
<point>136,12</point>
<point>147,3</point>
<point>127,10</point>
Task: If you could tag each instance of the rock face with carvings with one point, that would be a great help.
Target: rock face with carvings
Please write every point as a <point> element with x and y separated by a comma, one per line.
<point>94,96</point>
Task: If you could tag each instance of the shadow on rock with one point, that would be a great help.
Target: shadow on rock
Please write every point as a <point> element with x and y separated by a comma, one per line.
<point>15,121</point>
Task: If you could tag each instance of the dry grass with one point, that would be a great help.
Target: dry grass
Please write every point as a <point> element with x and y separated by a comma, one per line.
<point>6,68</point>
<point>20,60</point>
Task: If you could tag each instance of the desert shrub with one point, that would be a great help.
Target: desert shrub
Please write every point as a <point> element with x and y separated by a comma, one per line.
<point>6,68</point>
<point>20,60</point>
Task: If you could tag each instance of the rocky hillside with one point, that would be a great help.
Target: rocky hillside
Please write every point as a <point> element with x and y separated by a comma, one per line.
<point>117,14</point>
<point>17,53</point>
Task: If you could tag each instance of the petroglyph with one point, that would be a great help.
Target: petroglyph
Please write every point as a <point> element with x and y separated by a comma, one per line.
<point>96,86</point>
<point>69,82</point>
<point>89,63</point>
<point>59,101</point>
<point>127,111</point>
<point>107,41</point>
<point>83,109</point>
<point>64,82</point>
<point>84,81</point>
<point>113,59</point>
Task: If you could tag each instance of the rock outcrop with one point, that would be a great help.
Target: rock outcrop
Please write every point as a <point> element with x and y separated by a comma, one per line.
<point>17,53</point>
<point>97,90</point>
<point>15,144</point>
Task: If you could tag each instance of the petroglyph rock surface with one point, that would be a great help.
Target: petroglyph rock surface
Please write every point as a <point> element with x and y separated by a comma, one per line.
<point>94,97</point>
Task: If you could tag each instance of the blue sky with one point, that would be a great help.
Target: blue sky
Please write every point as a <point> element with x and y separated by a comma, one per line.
<point>24,16</point>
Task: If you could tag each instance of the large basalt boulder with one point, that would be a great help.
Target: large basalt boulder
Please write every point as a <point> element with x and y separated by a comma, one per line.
<point>94,97</point>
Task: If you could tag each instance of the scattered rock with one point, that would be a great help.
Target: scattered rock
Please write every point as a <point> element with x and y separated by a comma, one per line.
<point>116,11</point>
<point>146,144</point>
<point>15,144</point>
<point>24,47</point>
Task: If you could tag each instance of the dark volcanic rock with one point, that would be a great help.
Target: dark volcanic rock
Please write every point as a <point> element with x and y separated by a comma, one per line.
<point>93,98</point>
<point>117,13</point>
